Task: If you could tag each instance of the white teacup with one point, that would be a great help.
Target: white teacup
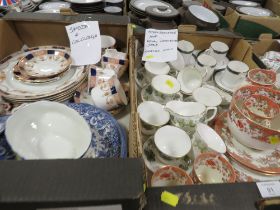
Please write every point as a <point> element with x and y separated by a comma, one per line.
<point>207,96</point>
<point>153,116</point>
<point>207,140</point>
<point>109,94</point>
<point>234,74</point>
<point>186,48</point>
<point>206,63</point>
<point>107,42</point>
<point>179,63</point>
<point>153,69</point>
<point>218,50</point>
<point>190,79</point>
<point>165,87</point>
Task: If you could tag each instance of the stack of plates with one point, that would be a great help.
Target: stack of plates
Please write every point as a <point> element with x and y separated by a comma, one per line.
<point>138,7</point>
<point>41,73</point>
<point>28,5</point>
<point>53,7</point>
<point>87,6</point>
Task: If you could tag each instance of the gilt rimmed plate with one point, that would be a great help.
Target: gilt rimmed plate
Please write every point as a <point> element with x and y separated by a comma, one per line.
<point>244,3</point>
<point>267,161</point>
<point>255,11</point>
<point>153,163</point>
<point>108,139</point>
<point>44,63</point>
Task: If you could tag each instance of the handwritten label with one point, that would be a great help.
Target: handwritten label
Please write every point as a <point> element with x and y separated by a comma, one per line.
<point>160,45</point>
<point>269,189</point>
<point>85,42</point>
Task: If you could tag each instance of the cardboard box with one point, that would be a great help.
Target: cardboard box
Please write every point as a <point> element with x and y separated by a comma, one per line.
<point>252,27</point>
<point>64,183</point>
<point>273,5</point>
<point>239,50</point>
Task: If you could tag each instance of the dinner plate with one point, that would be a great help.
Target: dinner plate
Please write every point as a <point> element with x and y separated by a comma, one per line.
<point>142,4</point>
<point>54,5</point>
<point>255,11</point>
<point>84,1</point>
<point>244,3</point>
<point>266,161</point>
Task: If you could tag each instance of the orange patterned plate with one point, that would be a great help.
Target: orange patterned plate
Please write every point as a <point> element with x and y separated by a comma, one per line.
<point>263,161</point>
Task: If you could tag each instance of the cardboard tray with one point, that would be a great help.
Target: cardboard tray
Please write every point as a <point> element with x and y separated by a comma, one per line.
<point>63,183</point>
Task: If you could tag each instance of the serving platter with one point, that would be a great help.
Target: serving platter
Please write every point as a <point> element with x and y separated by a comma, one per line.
<point>267,161</point>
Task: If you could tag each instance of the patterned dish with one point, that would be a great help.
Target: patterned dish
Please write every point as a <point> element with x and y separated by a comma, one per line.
<point>262,77</point>
<point>108,139</point>
<point>261,134</point>
<point>263,161</point>
<point>44,63</point>
<point>170,176</point>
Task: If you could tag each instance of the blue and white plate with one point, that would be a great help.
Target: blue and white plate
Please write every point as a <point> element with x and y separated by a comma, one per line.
<point>108,138</point>
<point>6,152</point>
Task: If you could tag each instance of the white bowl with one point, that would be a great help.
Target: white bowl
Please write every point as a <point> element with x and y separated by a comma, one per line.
<point>153,69</point>
<point>47,130</point>
<point>189,79</point>
<point>179,63</point>
<point>107,41</point>
<point>153,113</point>
<point>172,141</point>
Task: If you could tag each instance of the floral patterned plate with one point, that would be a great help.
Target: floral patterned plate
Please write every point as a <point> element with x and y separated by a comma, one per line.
<point>267,161</point>
<point>152,161</point>
<point>108,138</point>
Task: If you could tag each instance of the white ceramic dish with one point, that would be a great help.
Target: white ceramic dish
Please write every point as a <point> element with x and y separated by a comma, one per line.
<point>179,63</point>
<point>47,130</point>
<point>203,14</point>
<point>153,69</point>
<point>225,96</point>
<point>207,96</point>
<point>218,80</point>
<point>166,84</point>
<point>255,11</point>
<point>107,41</point>
<point>189,79</point>
<point>244,3</point>
<point>142,4</point>
<point>54,5</point>
<point>172,141</point>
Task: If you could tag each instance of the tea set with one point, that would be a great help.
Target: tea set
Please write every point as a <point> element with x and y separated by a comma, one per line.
<point>181,98</point>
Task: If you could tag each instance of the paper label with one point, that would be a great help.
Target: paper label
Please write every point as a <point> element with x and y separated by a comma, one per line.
<point>160,45</point>
<point>269,189</point>
<point>85,42</point>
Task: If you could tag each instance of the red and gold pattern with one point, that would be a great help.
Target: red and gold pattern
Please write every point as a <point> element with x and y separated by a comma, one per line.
<point>263,77</point>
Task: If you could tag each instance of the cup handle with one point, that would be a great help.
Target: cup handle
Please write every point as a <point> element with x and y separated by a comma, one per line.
<point>213,115</point>
<point>14,110</point>
<point>207,52</point>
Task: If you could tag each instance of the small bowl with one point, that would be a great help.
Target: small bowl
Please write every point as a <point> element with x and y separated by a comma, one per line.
<point>153,69</point>
<point>179,63</point>
<point>112,10</point>
<point>262,77</point>
<point>261,107</point>
<point>152,115</point>
<point>48,130</point>
<point>170,176</point>
<point>172,142</point>
<point>107,42</point>
<point>211,168</point>
<point>207,96</point>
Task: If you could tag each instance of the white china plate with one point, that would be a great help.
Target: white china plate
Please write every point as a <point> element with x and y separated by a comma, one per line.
<point>255,11</point>
<point>267,161</point>
<point>153,163</point>
<point>225,96</point>
<point>142,4</point>
<point>204,14</point>
<point>48,11</point>
<point>219,83</point>
<point>84,1</point>
<point>245,3</point>
<point>54,5</point>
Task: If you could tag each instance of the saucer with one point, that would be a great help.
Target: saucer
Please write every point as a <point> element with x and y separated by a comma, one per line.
<point>218,80</point>
<point>147,95</point>
<point>262,161</point>
<point>153,163</point>
<point>221,65</point>
<point>225,96</point>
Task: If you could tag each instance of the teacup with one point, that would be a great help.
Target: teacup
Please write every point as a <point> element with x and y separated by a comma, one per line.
<point>186,49</point>
<point>153,69</point>
<point>165,88</point>
<point>172,143</point>
<point>170,176</point>
<point>234,74</point>
<point>109,94</point>
<point>218,50</point>
<point>187,115</point>
<point>179,63</point>
<point>189,79</point>
<point>211,168</point>
<point>115,60</point>
<point>152,116</point>
<point>206,63</point>
<point>207,140</point>
<point>207,96</point>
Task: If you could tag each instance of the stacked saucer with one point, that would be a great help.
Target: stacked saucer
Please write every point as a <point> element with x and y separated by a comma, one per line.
<point>87,6</point>
<point>40,73</point>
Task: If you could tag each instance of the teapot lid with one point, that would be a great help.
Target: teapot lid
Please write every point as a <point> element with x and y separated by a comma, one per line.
<point>162,13</point>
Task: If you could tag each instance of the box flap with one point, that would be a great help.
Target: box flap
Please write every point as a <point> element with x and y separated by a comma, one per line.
<point>61,183</point>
